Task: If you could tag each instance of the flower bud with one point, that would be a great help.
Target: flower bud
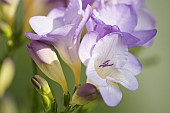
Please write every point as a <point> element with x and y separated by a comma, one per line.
<point>85,94</point>
<point>41,85</point>
<point>6,75</point>
<point>47,60</point>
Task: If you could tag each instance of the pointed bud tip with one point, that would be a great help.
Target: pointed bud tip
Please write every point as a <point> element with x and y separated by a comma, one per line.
<point>41,85</point>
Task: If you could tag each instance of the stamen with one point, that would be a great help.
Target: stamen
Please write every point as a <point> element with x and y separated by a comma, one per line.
<point>106,63</point>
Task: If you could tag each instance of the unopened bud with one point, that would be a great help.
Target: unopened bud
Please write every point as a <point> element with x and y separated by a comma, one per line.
<point>41,85</point>
<point>85,94</point>
<point>47,60</point>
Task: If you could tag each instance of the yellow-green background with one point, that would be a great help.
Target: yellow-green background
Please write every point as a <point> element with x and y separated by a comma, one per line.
<point>153,95</point>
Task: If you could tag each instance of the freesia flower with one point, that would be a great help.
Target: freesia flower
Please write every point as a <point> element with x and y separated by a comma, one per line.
<point>46,59</point>
<point>108,64</point>
<point>120,18</point>
<point>145,19</point>
<point>62,28</point>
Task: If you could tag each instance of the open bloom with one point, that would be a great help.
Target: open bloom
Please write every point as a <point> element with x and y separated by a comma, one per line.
<point>108,64</point>
<point>47,60</point>
<point>62,28</point>
<point>129,17</point>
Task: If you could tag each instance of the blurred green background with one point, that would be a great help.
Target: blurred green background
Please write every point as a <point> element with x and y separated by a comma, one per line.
<point>153,95</point>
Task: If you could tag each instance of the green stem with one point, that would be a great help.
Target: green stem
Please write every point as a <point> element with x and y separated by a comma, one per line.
<point>35,102</point>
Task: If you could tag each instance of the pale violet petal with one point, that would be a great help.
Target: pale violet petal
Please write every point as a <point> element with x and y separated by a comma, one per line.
<point>145,20</point>
<point>57,12</point>
<point>86,17</point>
<point>33,36</point>
<point>86,2</point>
<point>130,39</point>
<point>144,36</point>
<point>121,15</point>
<point>125,78</point>
<point>90,25</point>
<point>68,51</point>
<point>73,12</point>
<point>44,52</point>
<point>88,41</point>
<point>135,3</point>
<point>149,43</point>
<point>41,24</point>
<point>111,94</point>
<point>62,31</point>
<point>133,65</point>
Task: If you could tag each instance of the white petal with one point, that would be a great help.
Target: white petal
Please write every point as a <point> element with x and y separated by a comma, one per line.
<point>111,48</point>
<point>111,94</point>
<point>88,41</point>
<point>125,78</point>
<point>56,13</point>
<point>133,65</point>
<point>93,76</point>
<point>41,24</point>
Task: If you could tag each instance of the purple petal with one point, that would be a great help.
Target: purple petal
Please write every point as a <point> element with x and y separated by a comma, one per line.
<point>145,20</point>
<point>149,43</point>
<point>90,25</point>
<point>86,2</point>
<point>133,65</point>
<point>102,28</point>
<point>41,24</point>
<point>121,15</point>
<point>86,17</point>
<point>130,39</point>
<point>73,12</point>
<point>57,13</point>
<point>33,36</point>
<point>43,52</point>
<point>144,36</point>
<point>61,31</point>
<point>111,94</point>
<point>88,41</point>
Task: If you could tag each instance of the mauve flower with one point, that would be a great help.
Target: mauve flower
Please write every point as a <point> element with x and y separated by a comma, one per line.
<point>120,18</point>
<point>108,64</point>
<point>46,59</point>
<point>145,25</point>
<point>62,28</point>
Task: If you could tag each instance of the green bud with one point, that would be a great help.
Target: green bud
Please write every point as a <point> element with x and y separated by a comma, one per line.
<point>41,85</point>
<point>85,94</point>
